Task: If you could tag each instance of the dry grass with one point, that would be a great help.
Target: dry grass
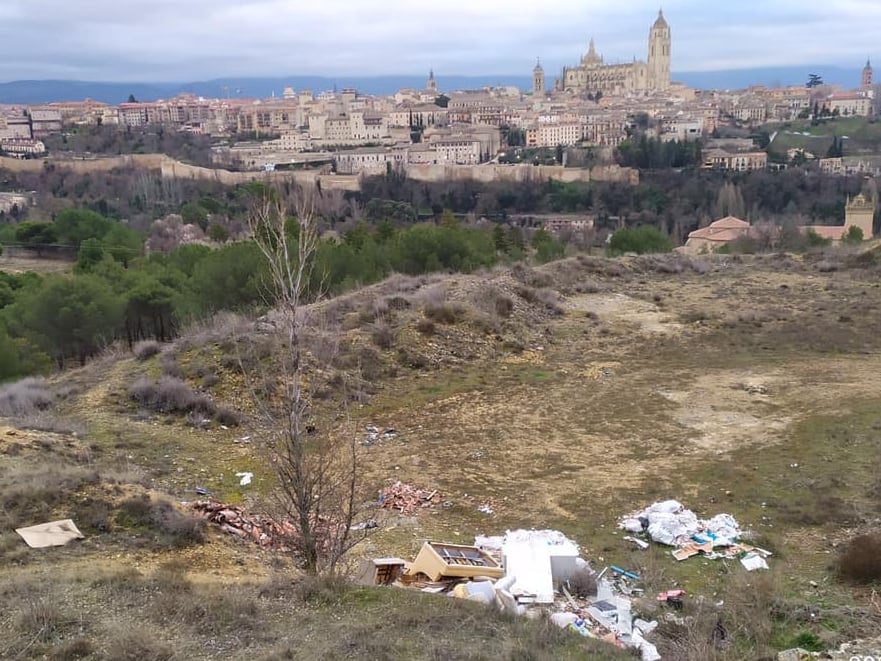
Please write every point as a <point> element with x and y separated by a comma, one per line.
<point>25,397</point>
<point>139,643</point>
<point>609,407</point>
<point>31,495</point>
<point>169,527</point>
<point>147,349</point>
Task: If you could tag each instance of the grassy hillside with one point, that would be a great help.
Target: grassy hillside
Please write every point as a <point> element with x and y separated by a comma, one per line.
<point>562,396</point>
<point>862,136</point>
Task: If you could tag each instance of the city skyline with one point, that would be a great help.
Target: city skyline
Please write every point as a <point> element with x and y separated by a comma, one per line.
<point>179,41</point>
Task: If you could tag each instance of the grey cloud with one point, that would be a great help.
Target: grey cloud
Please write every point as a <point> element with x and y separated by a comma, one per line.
<point>189,39</point>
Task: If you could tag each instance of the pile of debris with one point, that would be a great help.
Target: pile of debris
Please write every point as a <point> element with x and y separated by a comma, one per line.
<point>374,435</point>
<point>260,529</point>
<point>525,572</point>
<point>406,498</point>
<point>672,524</point>
<point>233,519</point>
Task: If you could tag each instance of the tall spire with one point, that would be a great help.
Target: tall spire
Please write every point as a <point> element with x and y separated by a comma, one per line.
<point>661,22</point>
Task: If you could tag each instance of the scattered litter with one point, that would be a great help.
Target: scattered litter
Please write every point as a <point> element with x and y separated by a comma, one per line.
<point>481,591</point>
<point>672,524</point>
<point>365,525</point>
<point>202,491</point>
<point>246,478</point>
<point>54,533</point>
<point>753,561</point>
<point>406,498</point>
<point>374,435</point>
<point>640,543</point>
<point>486,509</point>
<point>528,572</point>
<point>624,572</point>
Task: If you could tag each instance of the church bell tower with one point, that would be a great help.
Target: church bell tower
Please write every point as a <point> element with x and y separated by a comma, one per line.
<point>538,81</point>
<point>659,57</point>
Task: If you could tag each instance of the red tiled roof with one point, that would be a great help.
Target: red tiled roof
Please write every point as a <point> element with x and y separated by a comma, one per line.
<point>834,232</point>
<point>724,229</point>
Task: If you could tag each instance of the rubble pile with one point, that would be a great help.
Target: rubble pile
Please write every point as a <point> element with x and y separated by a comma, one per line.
<point>526,572</point>
<point>233,519</point>
<point>672,524</point>
<point>260,529</point>
<point>406,498</point>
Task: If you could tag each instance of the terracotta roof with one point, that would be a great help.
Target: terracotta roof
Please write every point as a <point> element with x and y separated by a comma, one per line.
<point>722,236</point>
<point>834,232</point>
<point>724,229</point>
<point>730,222</point>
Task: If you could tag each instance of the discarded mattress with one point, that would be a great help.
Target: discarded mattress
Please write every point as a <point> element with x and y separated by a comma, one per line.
<point>54,533</point>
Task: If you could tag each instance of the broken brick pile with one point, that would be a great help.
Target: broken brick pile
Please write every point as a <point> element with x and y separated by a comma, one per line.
<point>258,528</point>
<point>406,498</point>
<point>234,520</point>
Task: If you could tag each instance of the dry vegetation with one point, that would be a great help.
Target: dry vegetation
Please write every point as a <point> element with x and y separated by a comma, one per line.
<point>562,396</point>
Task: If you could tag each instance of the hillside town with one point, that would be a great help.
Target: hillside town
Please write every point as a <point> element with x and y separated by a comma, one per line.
<point>593,105</point>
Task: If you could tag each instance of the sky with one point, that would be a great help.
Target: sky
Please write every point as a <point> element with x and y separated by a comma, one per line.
<point>188,40</point>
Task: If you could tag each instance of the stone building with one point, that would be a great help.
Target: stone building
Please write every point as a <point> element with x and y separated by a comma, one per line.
<point>593,75</point>
<point>860,211</point>
<point>538,81</point>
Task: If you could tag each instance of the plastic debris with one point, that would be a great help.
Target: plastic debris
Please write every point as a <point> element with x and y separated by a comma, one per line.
<point>246,478</point>
<point>753,561</point>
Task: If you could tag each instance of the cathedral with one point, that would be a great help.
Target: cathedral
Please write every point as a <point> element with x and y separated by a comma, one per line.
<point>592,75</point>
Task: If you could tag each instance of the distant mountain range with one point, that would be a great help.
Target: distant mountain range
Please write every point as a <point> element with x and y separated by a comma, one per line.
<point>46,91</point>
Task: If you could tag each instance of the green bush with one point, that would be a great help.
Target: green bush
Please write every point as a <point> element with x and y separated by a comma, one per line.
<point>853,235</point>
<point>640,240</point>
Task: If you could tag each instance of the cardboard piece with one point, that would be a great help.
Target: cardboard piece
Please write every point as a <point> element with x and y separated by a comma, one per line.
<point>54,533</point>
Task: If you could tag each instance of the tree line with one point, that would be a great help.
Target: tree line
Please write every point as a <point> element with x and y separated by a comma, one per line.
<point>118,293</point>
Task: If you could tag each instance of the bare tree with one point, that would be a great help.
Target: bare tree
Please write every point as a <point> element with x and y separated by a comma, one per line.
<point>315,462</point>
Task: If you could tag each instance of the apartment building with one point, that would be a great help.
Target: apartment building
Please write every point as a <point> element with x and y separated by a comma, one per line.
<point>720,159</point>
<point>552,135</point>
<point>458,150</point>
<point>22,147</point>
<point>364,160</point>
<point>44,121</point>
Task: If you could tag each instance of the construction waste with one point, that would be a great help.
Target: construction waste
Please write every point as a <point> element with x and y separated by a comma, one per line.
<point>406,498</point>
<point>528,572</point>
<point>670,523</point>
<point>233,519</point>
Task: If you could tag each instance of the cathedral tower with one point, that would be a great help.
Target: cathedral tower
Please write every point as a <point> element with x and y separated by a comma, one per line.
<point>431,85</point>
<point>867,75</point>
<point>659,54</point>
<point>538,81</point>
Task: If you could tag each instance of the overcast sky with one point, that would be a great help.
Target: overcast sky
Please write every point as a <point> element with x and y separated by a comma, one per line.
<point>186,40</point>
